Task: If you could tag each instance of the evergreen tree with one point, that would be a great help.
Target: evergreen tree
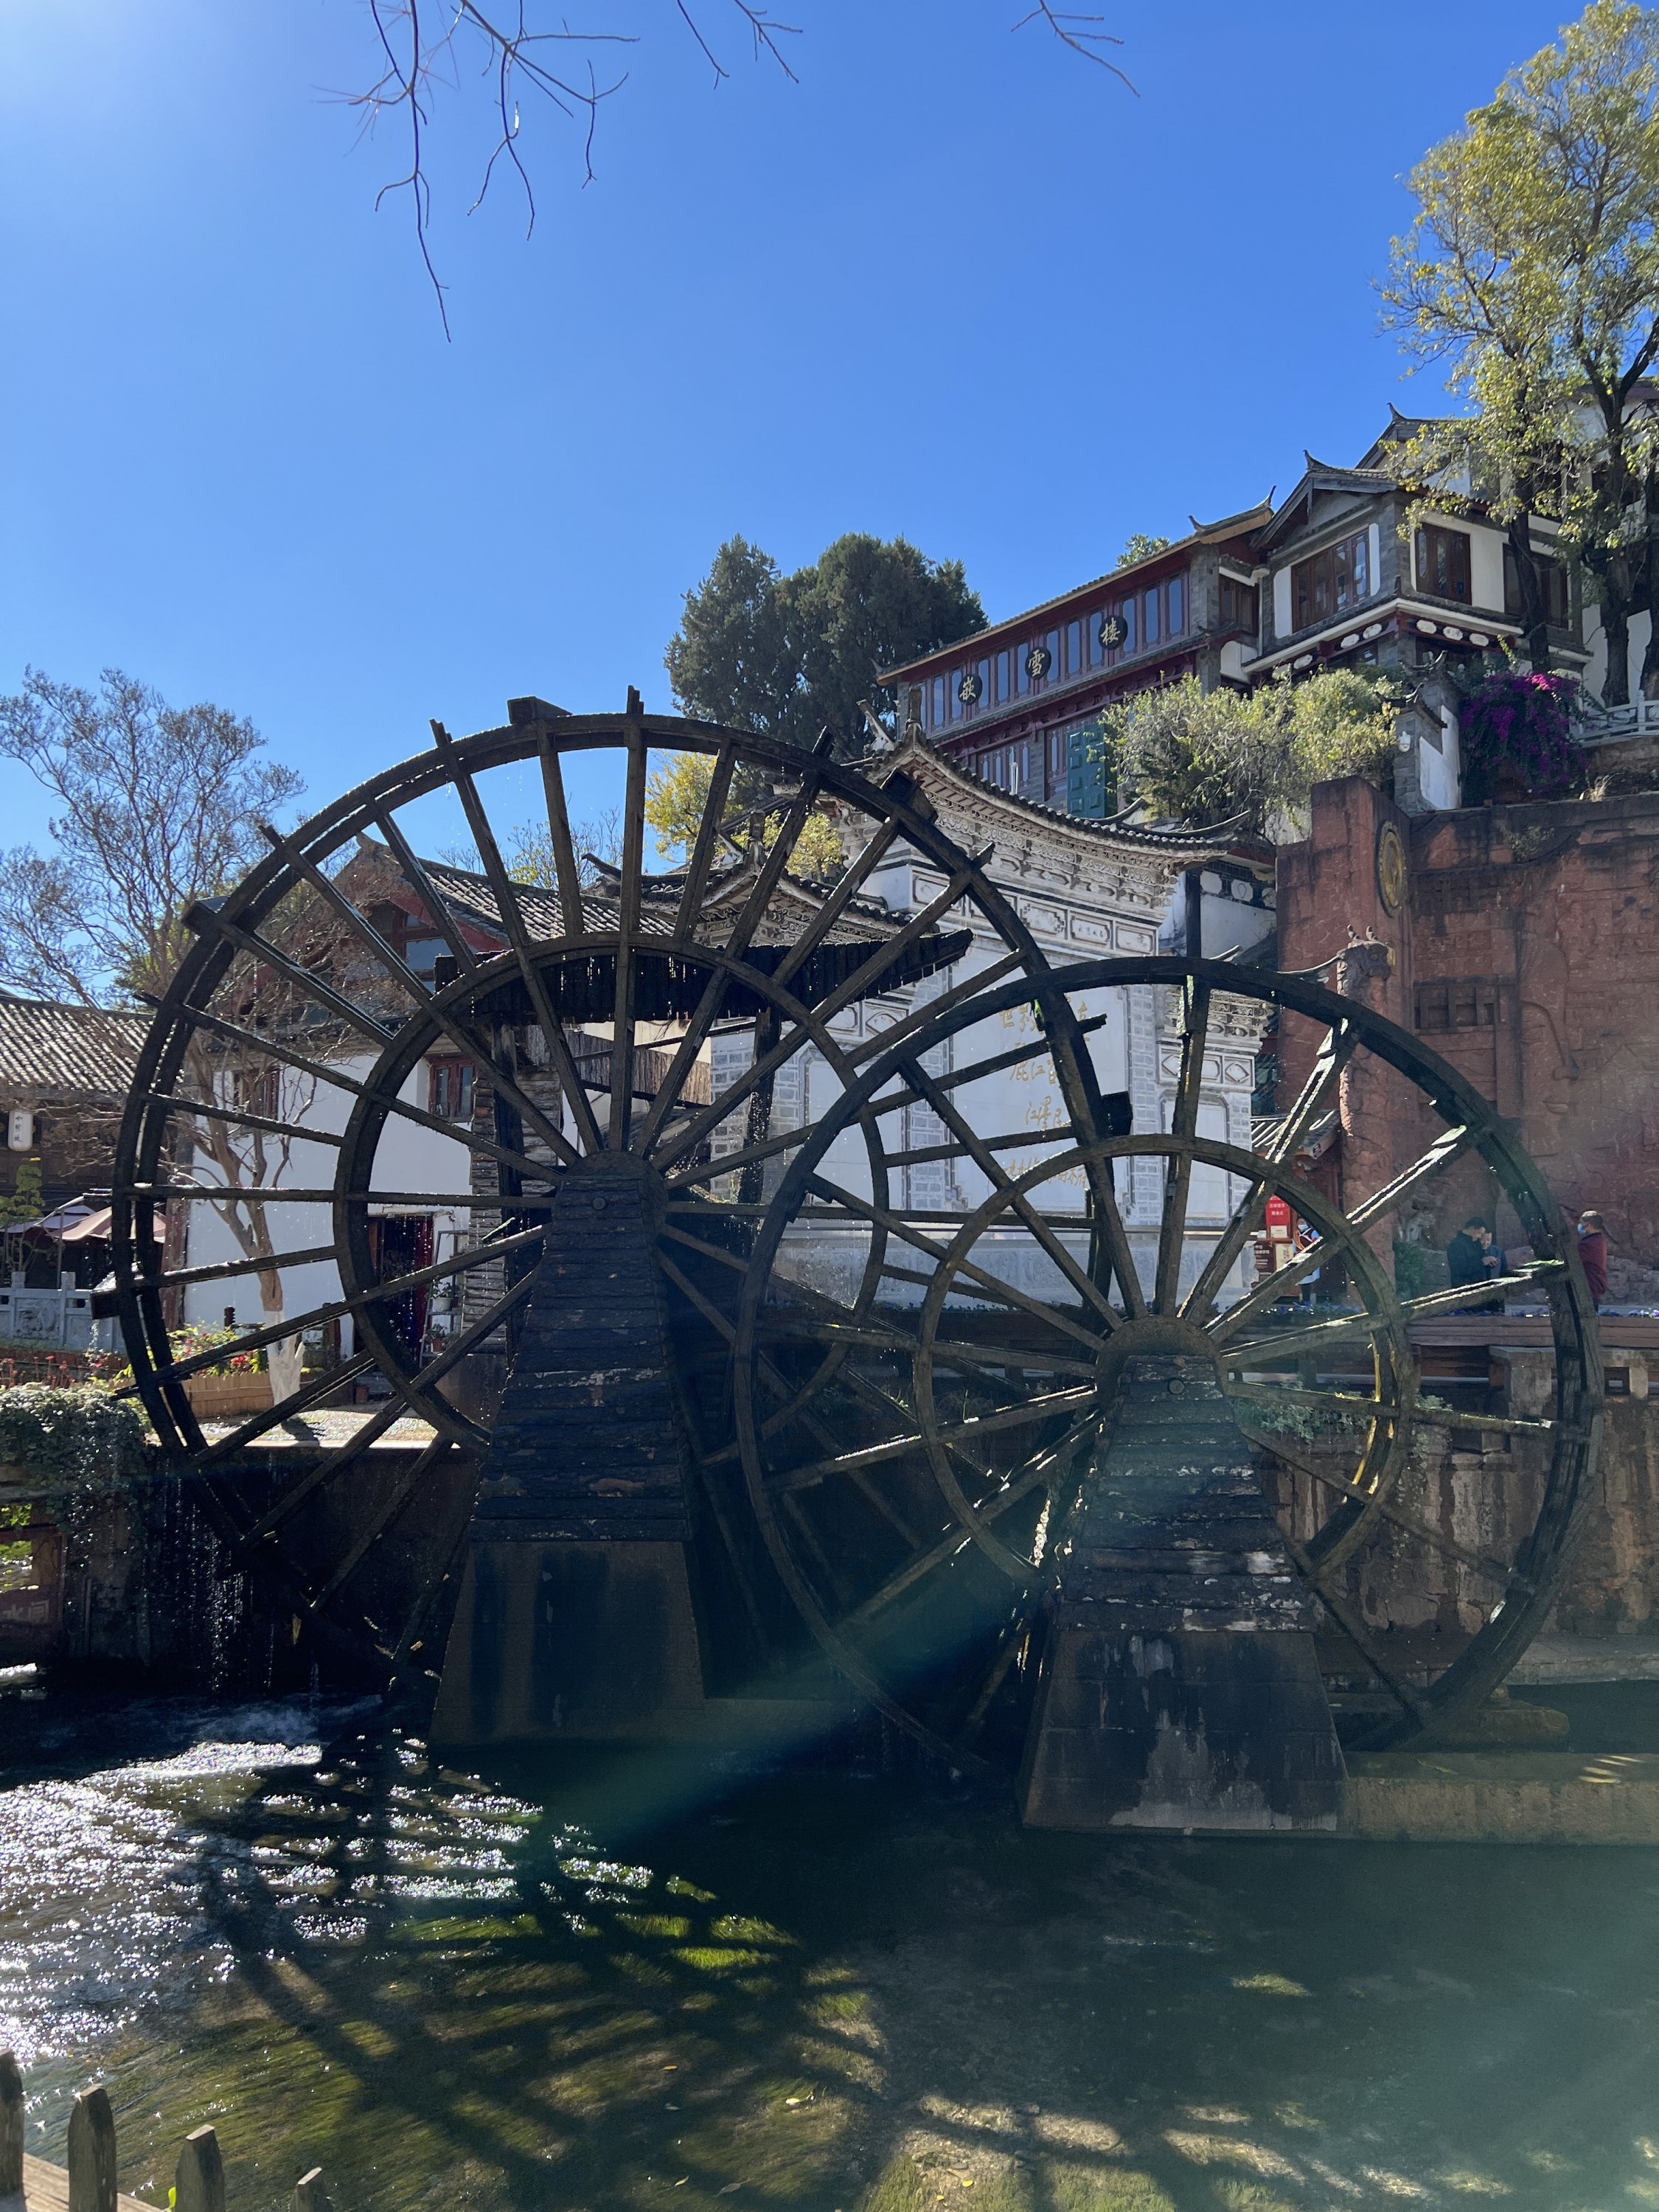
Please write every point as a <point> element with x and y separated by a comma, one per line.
<point>786,656</point>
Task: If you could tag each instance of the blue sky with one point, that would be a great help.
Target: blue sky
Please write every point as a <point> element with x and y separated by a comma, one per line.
<point>954,284</point>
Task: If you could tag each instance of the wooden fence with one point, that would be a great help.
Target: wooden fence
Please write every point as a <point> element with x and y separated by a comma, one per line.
<point>87,2182</point>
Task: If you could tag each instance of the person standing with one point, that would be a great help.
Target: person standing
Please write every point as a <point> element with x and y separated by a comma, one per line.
<point>1593,1254</point>
<point>1468,1255</point>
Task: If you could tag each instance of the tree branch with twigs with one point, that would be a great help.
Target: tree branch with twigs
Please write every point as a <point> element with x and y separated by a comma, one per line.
<point>430,49</point>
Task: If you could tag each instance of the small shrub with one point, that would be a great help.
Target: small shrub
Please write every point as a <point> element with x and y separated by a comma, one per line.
<point>83,1435</point>
<point>1410,1273</point>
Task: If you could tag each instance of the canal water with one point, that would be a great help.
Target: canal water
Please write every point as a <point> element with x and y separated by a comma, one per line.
<point>633,1986</point>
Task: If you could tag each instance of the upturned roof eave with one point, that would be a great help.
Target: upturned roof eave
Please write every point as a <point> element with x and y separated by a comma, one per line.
<point>1183,848</point>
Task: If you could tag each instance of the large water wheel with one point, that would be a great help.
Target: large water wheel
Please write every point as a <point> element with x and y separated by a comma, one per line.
<point>1042,1424</point>
<point>790,1290</point>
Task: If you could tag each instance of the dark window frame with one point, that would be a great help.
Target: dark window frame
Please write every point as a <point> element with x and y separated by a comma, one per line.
<point>1444,560</point>
<point>1333,581</point>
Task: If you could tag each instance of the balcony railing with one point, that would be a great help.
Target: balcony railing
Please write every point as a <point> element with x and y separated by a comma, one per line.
<point>1594,725</point>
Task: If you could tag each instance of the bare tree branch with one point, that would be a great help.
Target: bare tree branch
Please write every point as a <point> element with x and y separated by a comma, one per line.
<point>1069,27</point>
<point>422,44</point>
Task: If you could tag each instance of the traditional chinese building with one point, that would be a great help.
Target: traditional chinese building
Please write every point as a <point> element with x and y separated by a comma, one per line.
<point>1017,704</point>
<point>1339,573</point>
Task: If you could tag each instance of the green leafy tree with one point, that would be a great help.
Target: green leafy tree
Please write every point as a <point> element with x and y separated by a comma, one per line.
<point>788,656</point>
<point>676,798</point>
<point>1531,275</point>
<point>1208,758</point>
<point>1140,547</point>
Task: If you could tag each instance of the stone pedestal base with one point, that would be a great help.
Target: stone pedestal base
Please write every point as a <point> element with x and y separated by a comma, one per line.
<point>1190,1730</point>
<point>572,1643</point>
<point>1180,1687</point>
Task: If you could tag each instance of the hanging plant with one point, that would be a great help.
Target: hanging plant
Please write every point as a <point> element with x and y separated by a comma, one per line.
<point>1516,738</point>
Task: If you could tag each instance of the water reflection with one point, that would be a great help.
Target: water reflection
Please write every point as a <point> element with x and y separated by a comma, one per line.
<point>525,1987</point>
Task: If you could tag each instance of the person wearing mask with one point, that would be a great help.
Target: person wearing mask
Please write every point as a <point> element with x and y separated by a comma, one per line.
<point>1593,1254</point>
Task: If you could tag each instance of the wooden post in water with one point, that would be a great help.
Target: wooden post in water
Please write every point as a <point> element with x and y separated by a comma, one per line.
<point>311,2193</point>
<point>11,2127</point>
<point>92,2153</point>
<point>199,2183</point>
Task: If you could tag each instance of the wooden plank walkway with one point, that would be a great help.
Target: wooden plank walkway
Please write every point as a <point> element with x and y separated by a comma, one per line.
<point>46,2189</point>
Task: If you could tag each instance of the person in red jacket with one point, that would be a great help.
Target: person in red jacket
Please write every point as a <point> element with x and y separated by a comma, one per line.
<point>1593,1254</point>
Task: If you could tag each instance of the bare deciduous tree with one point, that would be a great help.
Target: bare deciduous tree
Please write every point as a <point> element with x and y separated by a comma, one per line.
<point>157,807</point>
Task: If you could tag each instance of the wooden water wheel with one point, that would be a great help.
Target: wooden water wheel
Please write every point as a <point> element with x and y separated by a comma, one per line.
<point>972,1399</point>
<point>797,1247</point>
<point>602,1028</point>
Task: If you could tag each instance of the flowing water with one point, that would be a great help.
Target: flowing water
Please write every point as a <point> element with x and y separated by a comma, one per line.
<point>631,1985</point>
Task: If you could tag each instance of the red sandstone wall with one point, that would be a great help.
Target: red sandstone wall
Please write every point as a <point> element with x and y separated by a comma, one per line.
<point>1550,913</point>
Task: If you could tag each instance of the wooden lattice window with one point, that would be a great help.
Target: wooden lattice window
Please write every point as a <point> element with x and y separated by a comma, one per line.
<point>1460,1002</point>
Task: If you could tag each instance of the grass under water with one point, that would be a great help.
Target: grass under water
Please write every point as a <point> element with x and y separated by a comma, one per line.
<point>572,1983</point>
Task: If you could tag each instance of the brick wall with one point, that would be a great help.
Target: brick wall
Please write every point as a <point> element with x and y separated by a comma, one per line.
<point>1527,954</point>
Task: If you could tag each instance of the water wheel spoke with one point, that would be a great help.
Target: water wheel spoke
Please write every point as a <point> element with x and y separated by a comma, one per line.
<point>446,1564</point>
<point>733,1260</point>
<point>1009,1645</point>
<point>1353,1408</point>
<point>955,1540</point>
<point>834,1579</point>
<point>224,1193</point>
<point>992,1169</point>
<point>285,1409</point>
<point>205,919</point>
<point>240,1117</point>
<point>359,924</point>
<point>982,979</point>
<point>834,1320</point>
<point>1337,1049</point>
<point>505,893</point>
<point>832,910</point>
<point>1348,1620</point>
<point>1344,1404</point>
<point>966,1433</point>
<point>1440,1156</point>
<point>1183,1128</point>
<point>748,1156</point>
<point>1346,1327</point>
<point>627,931</point>
<point>1037,1046</point>
<point>705,845</point>
<point>333,1462</point>
<point>286,1055</point>
<point>994,1287</point>
<point>178,1278</point>
<point>394,1286</point>
<point>1481,1562</point>
<point>950,1351</point>
<point>736,947</point>
<point>414,871</point>
<point>765,1063</point>
<point>375,1526</point>
<point>566,873</point>
<point>794,1409</point>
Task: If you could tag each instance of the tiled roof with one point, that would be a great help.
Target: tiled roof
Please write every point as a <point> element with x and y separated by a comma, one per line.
<point>45,1047</point>
<point>470,895</point>
<point>1218,839</point>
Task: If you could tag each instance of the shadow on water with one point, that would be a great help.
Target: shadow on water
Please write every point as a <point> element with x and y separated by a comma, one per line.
<point>611,1984</point>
